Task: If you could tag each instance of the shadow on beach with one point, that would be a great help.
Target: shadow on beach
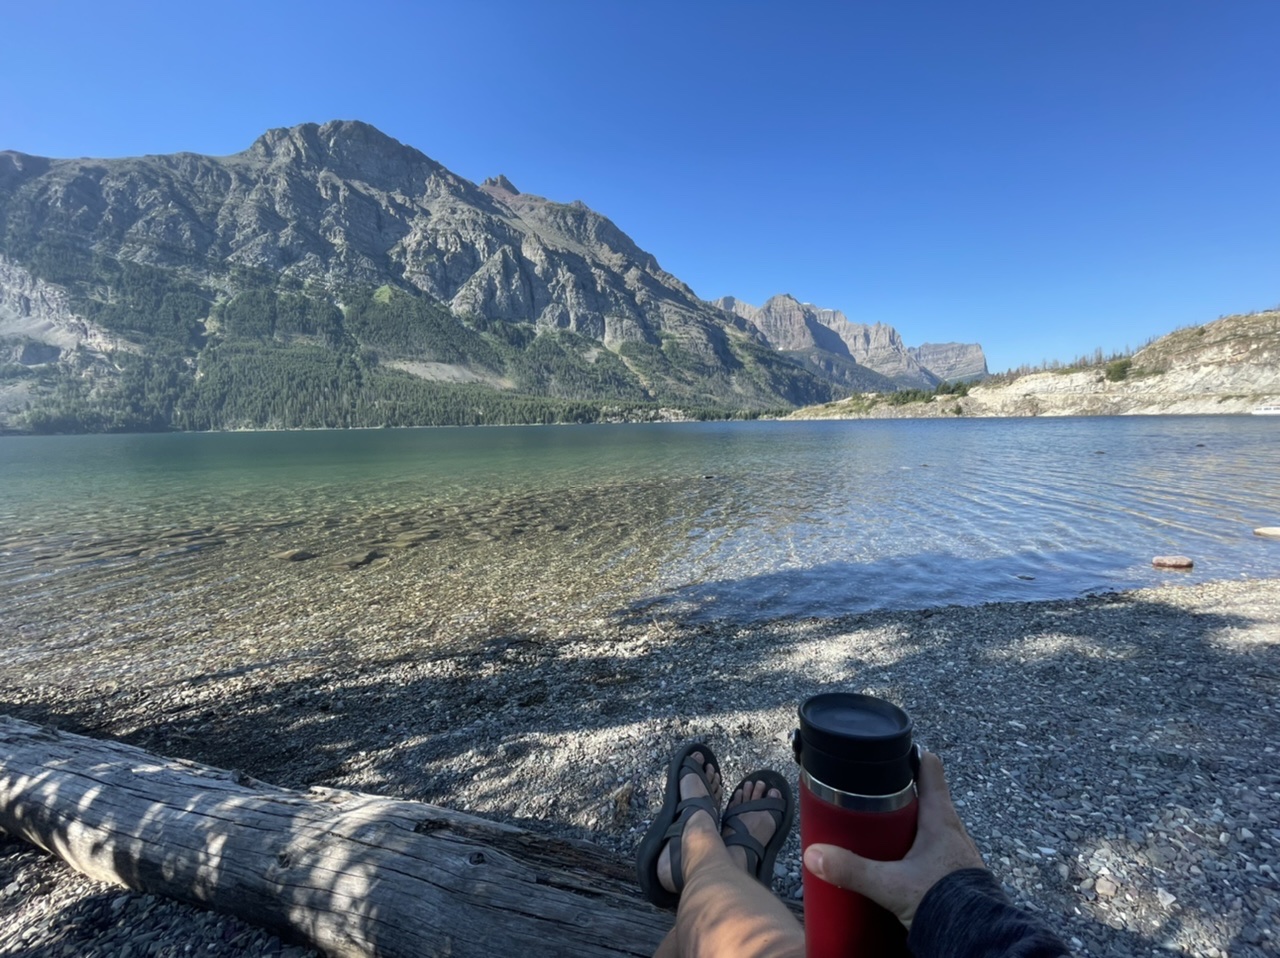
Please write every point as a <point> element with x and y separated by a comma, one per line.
<point>1107,752</point>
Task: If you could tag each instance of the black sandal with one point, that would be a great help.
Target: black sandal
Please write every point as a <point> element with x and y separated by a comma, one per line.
<point>760,858</point>
<point>668,824</point>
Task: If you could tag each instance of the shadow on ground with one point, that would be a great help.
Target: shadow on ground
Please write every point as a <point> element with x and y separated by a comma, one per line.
<point>1110,738</point>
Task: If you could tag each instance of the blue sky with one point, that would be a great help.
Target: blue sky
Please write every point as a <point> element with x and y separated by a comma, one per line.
<point>1043,178</point>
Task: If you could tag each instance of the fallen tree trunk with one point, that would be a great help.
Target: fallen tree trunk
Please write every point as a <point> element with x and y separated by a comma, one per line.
<point>350,874</point>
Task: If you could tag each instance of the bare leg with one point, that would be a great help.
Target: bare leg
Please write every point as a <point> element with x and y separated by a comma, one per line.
<point>723,910</point>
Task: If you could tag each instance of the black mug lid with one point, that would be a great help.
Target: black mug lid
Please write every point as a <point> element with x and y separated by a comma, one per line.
<point>856,743</point>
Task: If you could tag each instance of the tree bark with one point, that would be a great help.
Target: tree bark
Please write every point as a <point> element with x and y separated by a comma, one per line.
<point>349,873</point>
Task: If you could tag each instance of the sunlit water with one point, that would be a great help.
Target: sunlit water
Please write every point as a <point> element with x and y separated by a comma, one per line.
<point>719,520</point>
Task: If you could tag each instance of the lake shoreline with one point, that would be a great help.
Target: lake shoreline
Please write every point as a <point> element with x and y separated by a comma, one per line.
<point>939,408</point>
<point>1109,752</point>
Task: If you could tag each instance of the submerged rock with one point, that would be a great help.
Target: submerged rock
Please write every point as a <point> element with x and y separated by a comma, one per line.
<point>412,540</point>
<point>294,555</point>
<point>358,559</point>
<point>1172,562</point>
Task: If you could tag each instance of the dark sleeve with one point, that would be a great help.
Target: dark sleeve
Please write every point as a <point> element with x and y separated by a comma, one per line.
<point>967,915</point>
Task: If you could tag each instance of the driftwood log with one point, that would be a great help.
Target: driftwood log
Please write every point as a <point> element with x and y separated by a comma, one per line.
<point>350,874</point>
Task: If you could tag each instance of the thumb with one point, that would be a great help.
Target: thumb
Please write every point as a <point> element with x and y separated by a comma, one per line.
<point>843,868</point>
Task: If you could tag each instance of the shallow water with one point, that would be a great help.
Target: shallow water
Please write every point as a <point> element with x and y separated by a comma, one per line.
<point>718,520</point>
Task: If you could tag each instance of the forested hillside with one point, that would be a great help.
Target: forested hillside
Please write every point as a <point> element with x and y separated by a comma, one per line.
<point>294,358</point>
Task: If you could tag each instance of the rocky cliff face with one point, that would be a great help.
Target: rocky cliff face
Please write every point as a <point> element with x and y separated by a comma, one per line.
<point>952,362</point>
<point>789,325</point>
<point>35,312</point>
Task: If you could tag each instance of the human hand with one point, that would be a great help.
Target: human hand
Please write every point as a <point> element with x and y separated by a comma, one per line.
<point>942,846</point>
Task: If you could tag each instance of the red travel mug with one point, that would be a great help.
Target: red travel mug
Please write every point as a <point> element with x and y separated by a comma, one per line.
<point>857,791</point>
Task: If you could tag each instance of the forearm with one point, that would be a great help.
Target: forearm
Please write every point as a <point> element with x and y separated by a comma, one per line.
<point>967,915</point>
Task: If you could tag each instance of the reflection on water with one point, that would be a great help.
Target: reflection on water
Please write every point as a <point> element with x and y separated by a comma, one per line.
<point>734,520</point>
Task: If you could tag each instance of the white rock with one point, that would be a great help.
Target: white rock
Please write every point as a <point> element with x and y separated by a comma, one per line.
<point>1166,899</point>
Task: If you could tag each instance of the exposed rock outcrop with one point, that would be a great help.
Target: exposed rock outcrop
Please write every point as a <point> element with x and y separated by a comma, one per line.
<point>31,309</point>
<point>791,326</point>
<point>952,362</point>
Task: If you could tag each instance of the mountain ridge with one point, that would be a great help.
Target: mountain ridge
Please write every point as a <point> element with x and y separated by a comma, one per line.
<point>282,245</point>
<point>813,334</point>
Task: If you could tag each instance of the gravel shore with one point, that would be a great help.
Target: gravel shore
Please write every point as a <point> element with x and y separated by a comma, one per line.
<point>1115,757</point>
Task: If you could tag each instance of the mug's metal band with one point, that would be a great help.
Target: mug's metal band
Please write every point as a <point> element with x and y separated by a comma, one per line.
<point>858,803</point>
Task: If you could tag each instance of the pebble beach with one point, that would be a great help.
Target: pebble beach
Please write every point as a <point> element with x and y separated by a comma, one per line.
<point>1114,756</point>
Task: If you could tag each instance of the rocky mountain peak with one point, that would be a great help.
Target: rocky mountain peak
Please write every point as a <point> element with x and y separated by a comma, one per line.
<point>781,320</point>
<point>333,136</point>
<point>348,148</point>
<point>782,302</point>
<point>500,184</point>
<point>792,326</point>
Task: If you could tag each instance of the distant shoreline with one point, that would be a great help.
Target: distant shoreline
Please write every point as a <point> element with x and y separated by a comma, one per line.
<point>888,413</point>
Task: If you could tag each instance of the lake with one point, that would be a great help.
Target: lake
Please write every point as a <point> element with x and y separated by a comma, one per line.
<point>738,521</point>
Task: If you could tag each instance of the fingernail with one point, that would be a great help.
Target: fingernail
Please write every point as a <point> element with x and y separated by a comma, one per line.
<point>813,861</point>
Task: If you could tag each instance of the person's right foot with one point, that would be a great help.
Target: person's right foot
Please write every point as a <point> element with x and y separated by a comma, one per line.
<point>759,825</point>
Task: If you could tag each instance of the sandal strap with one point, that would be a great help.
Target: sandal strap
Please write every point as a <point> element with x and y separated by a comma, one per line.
<point>674,834</point>
<point>765,804</point>
<point>704,802</point>
<point>776,807</point>
<point>690,767</point>
<point>753,848</point>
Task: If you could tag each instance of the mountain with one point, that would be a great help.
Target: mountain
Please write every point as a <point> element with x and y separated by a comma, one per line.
<point>1230,365</point>
<point>951,362</point>
<point>867,358</point>
<point>330,275</point>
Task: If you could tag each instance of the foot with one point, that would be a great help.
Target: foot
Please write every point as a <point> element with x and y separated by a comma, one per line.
<point>691,787</point>
<point>759,825</point>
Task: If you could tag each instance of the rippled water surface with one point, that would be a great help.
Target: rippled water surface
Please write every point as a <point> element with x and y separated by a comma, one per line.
<point>723,520</point>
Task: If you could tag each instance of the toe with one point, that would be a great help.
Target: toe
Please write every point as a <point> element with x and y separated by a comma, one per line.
<point>693,785</point>
<point>714,785</point>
